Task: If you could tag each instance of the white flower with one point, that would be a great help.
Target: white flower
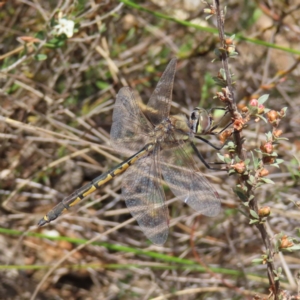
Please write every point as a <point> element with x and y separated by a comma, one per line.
<point>64,26</point>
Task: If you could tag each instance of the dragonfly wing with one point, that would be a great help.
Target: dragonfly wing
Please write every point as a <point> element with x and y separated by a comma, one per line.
<point>187,184</point>
<point>129,127</point>
<point>145,198</point>
<point>160,101</point>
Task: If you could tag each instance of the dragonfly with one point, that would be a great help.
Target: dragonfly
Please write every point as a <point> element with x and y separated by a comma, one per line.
<point>158,148</point>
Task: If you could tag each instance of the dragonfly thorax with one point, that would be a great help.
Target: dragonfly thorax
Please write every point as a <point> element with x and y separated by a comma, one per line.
<point>162,130</point>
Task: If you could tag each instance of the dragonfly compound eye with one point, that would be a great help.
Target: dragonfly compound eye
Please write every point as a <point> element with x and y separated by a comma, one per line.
<point>200,121</point>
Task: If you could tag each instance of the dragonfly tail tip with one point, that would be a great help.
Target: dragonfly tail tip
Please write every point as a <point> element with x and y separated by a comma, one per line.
<point>42,222</point>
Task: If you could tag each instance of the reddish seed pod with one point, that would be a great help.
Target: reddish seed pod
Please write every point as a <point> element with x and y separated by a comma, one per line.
<point>264,172</point>
<point>239,167</point>
<point>267,148</point>
<point>244,109</point>
<point>285,242</point>
<point>272,116</point>
<point>277,133</point>
<point>238,124</point>
<point>225,135</point>
<point>268,160</point>
<point>264,211</point>
<point>228,41</point>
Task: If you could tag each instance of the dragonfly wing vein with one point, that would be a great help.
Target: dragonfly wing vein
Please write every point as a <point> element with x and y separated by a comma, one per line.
<point>130,127</point>
<point>145,199</point>
<point>187,184</point>
<point>160,100</point>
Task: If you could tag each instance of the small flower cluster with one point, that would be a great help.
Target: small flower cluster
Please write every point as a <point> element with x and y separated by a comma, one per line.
<point>63,26</point>
<point>62,30</point>
<point>256,107</point>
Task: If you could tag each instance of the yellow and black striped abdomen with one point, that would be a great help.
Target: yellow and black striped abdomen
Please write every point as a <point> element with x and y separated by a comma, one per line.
<point>89,188</point>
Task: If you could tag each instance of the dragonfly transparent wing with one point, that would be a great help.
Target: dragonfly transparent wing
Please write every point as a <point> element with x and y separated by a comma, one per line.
<point>130,127</point>
<point>145,198</point>
<point>188,185</point>
<point>160,101</point>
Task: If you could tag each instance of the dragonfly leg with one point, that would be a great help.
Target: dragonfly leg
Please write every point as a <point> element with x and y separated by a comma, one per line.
<point>224,122</point>
<point>216,126</point>
<point>209,143</point>
<point>206,164</point>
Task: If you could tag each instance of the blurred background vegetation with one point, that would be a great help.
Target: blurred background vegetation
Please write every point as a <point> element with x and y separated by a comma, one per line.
<point>56,100</point>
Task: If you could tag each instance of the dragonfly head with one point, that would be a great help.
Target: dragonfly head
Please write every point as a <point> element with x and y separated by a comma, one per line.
<point>203,122</point>
<point>200,121</point>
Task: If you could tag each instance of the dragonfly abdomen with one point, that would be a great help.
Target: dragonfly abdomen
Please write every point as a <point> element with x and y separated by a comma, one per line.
<point>89,188</point>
